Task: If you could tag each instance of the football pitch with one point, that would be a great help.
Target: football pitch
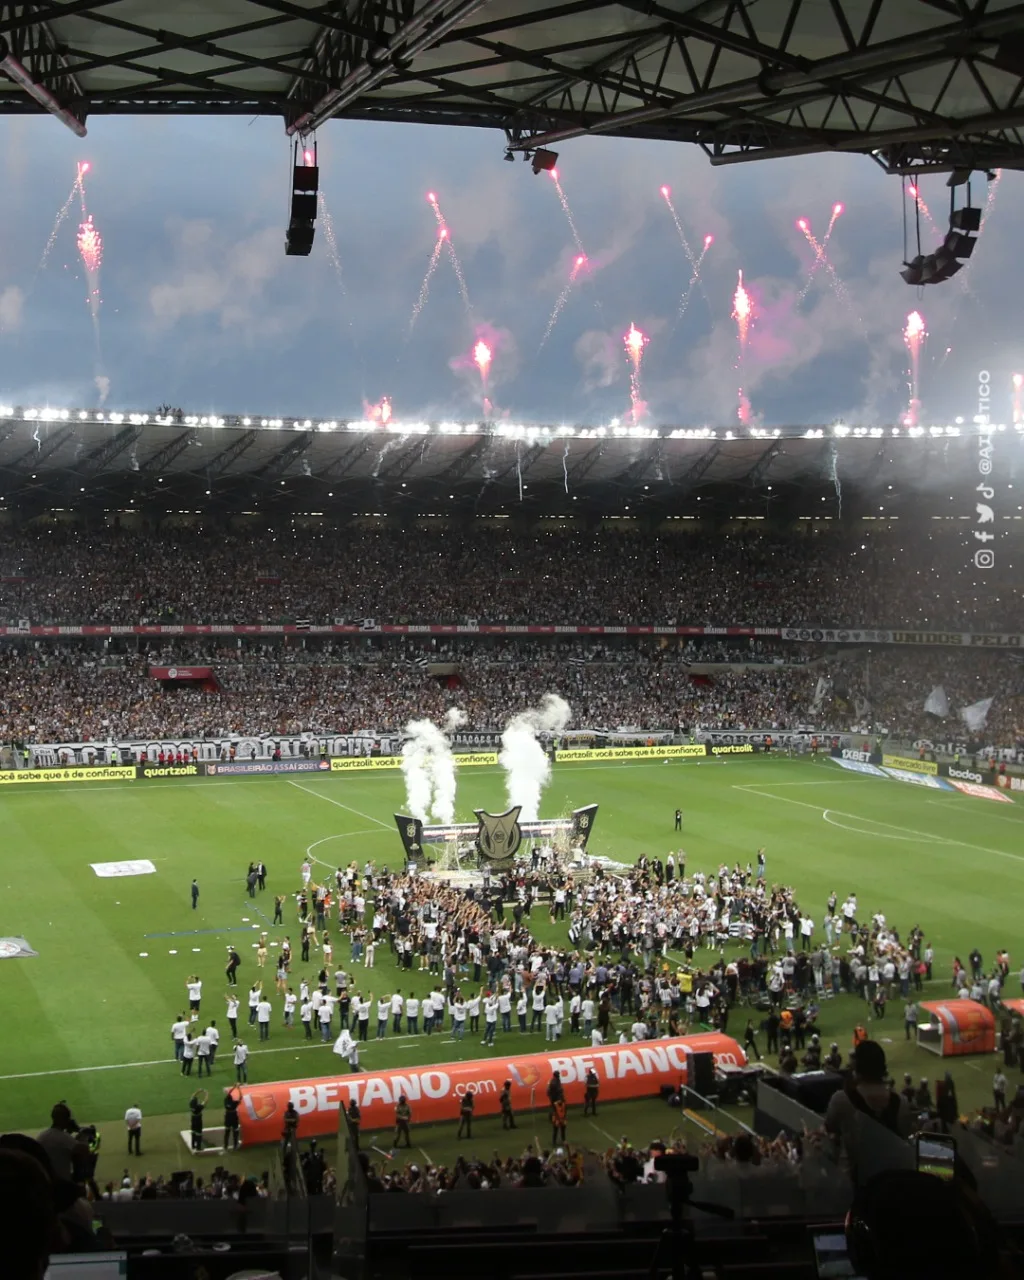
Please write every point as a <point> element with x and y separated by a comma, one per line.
<point>88,1019</point>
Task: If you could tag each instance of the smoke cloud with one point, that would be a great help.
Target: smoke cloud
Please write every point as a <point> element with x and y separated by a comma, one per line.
<point>103,387</point>
<point>526,764</point>
<point>428,765</point>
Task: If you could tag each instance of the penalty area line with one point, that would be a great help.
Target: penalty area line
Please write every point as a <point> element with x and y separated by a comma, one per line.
<point>337,803</point>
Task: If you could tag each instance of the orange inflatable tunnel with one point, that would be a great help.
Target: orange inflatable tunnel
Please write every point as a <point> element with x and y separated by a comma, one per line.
<point>956,1028</point>
<point>433,1092</point>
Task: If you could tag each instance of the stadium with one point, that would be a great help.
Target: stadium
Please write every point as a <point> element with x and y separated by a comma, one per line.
<point>439,797</point>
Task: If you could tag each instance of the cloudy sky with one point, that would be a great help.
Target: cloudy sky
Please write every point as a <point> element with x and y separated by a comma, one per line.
<point>200,307</point>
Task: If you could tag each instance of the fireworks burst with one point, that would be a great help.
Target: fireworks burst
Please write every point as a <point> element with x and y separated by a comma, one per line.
<point>482,356</point>
<point>695,279</point>
<point>579,263</point>
<point>445,242</point>
<point>693,259</point>
<point>742,313</point>
<point>90,248</point>
<point>914,335</point>
<point>379,412</point>
<point>634,341</point>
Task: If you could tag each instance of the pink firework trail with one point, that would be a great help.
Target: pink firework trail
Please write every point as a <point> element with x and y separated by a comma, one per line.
<point>634,341</point>
<point>914,335</point>
<point>743,314</point>
<point>435,258</point>
<point>579,263</point>
<point>695,279</point>
<point>445,238</point>
<point>63,211</point>
<point>691,257</point>
<point>563,201</point>
<point>915,194</point>
<point>1018,399</point>
<point>821,258</point>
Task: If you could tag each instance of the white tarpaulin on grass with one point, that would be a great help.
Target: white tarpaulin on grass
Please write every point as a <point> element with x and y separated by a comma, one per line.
<point>136,867</point>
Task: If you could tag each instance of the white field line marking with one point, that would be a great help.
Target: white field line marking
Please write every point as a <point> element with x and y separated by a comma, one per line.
<point>347,807</point>
<point>163,1062</point>
<point>998,817</point>
<point>923,835</point>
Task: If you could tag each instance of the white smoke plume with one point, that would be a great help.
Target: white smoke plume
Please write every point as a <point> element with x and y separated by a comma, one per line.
<point>103,387</point>
<point>429,768</point>
<point>526,764</point>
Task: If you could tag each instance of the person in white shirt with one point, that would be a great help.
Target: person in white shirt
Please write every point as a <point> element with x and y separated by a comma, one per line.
<point>363,1018</point>
<point>550,1022</point>
<point>458,1018</point>
<point>539,1002</point>
<point>439,1007</point>
<point>370,952</point>
<point>203,1052</point>
<point>575,1005</point>
<point>505,1009</point>
<point>263,1012</point>
<point>306,1018</point>
<point>232,1002</point>
<point>412,1015</point>
<point>194,987</point>
<point>522,1004</point>
<point>325,1013</point>
<point>587,1010</point>
<point>133,1123</point>
<point>241,1060</point>
<point>213,1035</point>
<point>638,1030</point>
<point>188,1054</point>
<point>490,1019</point>
<point>397,1004</point>
<point>291,1000</point>
<point>473,1012</point>
<point>254,999</point>
<point>178,1030</point>
<point>383,1012</point>
<point>596,1039</point>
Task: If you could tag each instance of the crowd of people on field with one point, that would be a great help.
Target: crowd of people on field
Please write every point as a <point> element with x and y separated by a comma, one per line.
<point>60,573</point>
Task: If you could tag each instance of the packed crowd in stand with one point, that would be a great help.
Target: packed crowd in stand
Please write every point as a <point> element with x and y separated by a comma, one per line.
<point>74,693</point>
<point>61,574</point>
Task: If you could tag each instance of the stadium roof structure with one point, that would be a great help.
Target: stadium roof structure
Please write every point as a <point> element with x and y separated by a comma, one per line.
<point>916,84</point>
<point>84,460</point>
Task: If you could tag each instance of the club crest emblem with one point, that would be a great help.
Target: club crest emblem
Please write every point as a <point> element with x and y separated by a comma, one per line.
<point>499,834</point>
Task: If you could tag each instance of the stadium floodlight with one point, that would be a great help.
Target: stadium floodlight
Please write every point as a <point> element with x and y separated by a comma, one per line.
<point>912,270</point>
<point>543,160</point>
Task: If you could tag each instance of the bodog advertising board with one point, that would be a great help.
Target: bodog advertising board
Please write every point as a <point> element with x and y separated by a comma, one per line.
<point>434,1092</point>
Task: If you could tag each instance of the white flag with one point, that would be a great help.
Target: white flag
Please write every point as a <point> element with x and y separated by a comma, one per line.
<point>976,714</point>
<point>937,704</point>
<point>343,1044</point>
<point>820,690</point>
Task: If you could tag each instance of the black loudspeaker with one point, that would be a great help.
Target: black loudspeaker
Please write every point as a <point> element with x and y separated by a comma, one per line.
<point>701,1076</point>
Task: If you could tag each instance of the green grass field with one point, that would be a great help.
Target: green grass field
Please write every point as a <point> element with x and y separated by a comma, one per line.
<point>88,1020</point>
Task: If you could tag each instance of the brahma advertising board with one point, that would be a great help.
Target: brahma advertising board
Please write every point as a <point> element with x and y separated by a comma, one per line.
<point>433,1092</point>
